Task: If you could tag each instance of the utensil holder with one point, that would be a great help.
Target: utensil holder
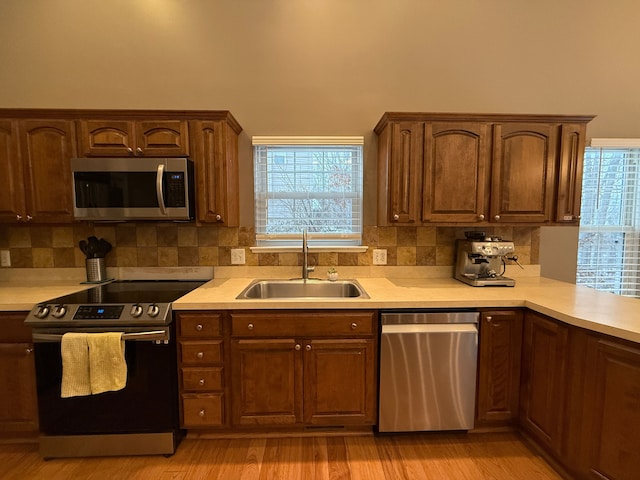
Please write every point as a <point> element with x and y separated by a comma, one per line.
<point>96,271</point>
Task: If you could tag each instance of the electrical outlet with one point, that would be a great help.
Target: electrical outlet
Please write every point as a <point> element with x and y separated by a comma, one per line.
<point>237,256</point>
<point>379,256</point>
<point>5,258</point>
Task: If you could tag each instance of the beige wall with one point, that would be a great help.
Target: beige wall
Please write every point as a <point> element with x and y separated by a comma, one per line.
<point>297,67</point>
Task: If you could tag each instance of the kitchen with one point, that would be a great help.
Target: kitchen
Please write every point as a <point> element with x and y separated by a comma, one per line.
<point>51,69</point>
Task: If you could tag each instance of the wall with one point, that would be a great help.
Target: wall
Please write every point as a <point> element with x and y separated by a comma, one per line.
<point>326,66</point>
<point>183,244</point>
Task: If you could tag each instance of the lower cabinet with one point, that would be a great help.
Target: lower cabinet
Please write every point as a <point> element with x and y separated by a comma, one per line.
<point>542,392</point>
<point>18,401</point>
<point>610,440</point>
<point>303,368</point>
<point>500,348</point>
<point>202,370</point>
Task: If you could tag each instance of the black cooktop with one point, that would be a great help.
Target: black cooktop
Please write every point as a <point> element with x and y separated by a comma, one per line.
<point>128,302</point>
<point>131,291</point>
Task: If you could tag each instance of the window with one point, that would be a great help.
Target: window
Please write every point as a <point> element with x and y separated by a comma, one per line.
<point>312,183</point>
<point>609,240</point>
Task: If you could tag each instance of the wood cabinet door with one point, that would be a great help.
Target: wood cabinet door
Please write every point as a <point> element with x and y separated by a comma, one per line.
<point>106,138</point>
<point>215,153</point>
<point>18,402</point>
<point>523,169</point>
<point>12,194</point>
<point>267,382</point>
<point>457,160</point>
<point>569,188</point>
<point>542,394</point>
<point>46,148</point>
<point>499,367</point>
<point>611,439</point>
<point>162,138</point>
<point>405,172</point>
<point>339,382</point>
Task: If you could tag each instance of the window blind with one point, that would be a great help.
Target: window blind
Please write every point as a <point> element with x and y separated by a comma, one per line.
<point>609,240</point>
<point>312,183</point>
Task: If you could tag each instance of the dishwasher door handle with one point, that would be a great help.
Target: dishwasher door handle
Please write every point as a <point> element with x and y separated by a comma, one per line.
<point>431,328</point>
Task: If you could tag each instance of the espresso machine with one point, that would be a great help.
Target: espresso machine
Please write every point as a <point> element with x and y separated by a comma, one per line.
<point>481,260</point>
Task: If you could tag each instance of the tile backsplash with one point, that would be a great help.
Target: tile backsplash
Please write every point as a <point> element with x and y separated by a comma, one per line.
<point>181,245</point>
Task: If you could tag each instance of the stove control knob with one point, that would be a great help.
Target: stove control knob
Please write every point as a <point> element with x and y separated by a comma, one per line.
<point>59,311</point>
<point>136,310</point>
<point>43,311</point>
<point>153,310</point>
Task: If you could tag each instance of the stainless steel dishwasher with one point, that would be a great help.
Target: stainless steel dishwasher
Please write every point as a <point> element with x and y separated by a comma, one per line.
<point>428,363</point>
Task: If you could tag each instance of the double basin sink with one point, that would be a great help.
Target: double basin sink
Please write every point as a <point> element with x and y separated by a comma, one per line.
<point>299,288</point>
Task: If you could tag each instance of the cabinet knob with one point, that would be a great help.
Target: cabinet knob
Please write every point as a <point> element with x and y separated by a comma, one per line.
<point>201,382</point>
<point>480,217</point>
<point>354,325</point>
<point>18,217</point>
<point>28,350</point>
<point>200,355</point>
<point>250,326</point>
<point>497,217</point>
<point>201,413</point>
<point>218,218</point>
<point>199,327</point>
<point>396,217</point>
<point>489,318</point>
<point>129,150</point>
<point>307,348</point>
<point>138,150</point>
<point>298,347</point>
<point>29,218</point>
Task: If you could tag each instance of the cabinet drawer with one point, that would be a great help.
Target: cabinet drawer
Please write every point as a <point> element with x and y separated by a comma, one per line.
<point>202,379</point>
<point>199,325</point>
<point>274,324</point>
<point>203,410</point>
<point>201,352</point>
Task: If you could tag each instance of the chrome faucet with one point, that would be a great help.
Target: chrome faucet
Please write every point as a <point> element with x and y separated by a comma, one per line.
<point>305,257</point>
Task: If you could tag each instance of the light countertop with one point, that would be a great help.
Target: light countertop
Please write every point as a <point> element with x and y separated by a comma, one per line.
<point>579,306</point>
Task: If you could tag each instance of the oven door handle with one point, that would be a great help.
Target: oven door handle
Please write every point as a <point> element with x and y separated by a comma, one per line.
<point>154,335</point>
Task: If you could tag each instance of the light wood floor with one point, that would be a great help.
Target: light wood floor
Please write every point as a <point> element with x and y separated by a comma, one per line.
<point>495,456</point>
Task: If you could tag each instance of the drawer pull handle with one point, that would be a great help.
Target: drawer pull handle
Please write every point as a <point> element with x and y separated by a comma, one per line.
<point>200,354</point>
<point>201,413</point>
<point>489,319</point>
<point>250,326</point>
<point>199,327</point>
<point>354,325</point>
<point>201,382</point>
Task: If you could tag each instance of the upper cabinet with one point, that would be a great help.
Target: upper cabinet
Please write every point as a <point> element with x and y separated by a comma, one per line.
<point>215,151</point>
<point>143,138</point>
<point>36,147</point>
<point>522,174</point>
<point>450,169</point>
<point>34,160</point>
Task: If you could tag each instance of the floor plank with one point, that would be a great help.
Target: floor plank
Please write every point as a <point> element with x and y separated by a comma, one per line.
<point>495,456</point>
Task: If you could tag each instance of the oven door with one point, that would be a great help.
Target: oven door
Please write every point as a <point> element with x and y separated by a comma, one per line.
<point>147,404</point>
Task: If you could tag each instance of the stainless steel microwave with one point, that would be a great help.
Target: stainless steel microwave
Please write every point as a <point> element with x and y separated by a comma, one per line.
<point>120,189</point>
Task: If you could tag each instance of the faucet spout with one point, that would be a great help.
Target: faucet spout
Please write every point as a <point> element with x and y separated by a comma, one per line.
<point>305,257</point>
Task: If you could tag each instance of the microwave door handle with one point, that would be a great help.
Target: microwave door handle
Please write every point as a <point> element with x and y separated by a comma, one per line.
<point>159,176</point>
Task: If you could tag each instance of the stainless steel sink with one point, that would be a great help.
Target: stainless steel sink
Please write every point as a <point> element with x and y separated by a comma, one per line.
<point>298,288</point>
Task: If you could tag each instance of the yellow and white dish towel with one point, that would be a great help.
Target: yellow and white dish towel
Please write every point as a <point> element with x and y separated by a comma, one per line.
<point>92,363</point>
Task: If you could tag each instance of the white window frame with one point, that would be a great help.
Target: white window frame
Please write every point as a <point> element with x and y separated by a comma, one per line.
<point>628,281</point>
<point>292,241</point>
